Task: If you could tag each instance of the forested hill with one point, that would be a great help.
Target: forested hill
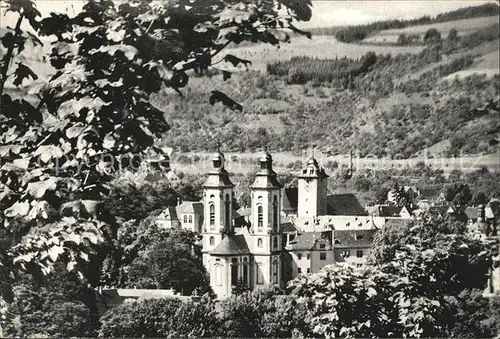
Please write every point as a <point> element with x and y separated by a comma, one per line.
<point>386,105</point>
<point>360,32</point>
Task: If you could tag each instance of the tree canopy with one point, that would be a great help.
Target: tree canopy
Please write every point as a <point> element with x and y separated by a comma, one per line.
<point>93,116</point>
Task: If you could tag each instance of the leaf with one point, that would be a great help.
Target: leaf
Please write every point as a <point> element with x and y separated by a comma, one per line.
<point>226,75</point>
<point>47,152</point>
<point>22,72</point>
<point>18,209</point>
<point>75,130</point>
<point>129,51</point>
<point>38,189</point>
<point>217,96</point>
<point>55,251</point>
<point>235,61</point>
<point>74,106</point>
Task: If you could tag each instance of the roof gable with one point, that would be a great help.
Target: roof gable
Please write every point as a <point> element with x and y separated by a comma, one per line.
<point>290,199</point>
<point>344,204</point>
<point>232,245</point>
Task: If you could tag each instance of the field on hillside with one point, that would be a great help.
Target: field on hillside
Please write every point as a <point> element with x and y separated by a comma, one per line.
<point>463,27</point>
<point>323,47</point>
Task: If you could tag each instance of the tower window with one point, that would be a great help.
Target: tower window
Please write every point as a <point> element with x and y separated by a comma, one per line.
<point>275,272</point>
<point>212,241</point>
<point>227,210</point>
<point>212,214</point>
<point>275,242</point>
<point>322,256</point>
<point>260,243</point>
<point>260,216</point>
<point>275,213</point>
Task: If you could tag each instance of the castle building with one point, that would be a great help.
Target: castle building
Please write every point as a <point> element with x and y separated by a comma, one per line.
<point>253,256</point>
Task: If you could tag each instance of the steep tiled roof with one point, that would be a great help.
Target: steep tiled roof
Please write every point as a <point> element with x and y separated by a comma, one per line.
<point>290,199</point>
<point>168,213</point>
<point>344,204</point>
<point>389,211</point>
<point>330,222</point>
<point>288,227</point>
<point>306,240</point>
<point>195,207</point>
<point>354,238</point>
<point>232,245</point>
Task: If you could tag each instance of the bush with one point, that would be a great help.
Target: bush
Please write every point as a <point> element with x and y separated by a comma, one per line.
<point>145,318</point>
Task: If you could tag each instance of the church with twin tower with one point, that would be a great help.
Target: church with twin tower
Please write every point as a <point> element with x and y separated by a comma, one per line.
<point>253,255</point>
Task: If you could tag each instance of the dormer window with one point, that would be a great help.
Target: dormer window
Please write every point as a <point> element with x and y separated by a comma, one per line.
<point>304,171</point>
<point>311,171</point>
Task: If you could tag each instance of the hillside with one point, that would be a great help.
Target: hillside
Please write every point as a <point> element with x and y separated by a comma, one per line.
<point>385,101</point>
<point>399,106</point>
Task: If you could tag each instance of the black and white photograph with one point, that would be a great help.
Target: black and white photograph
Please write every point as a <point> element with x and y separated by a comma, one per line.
<point>249,169</point>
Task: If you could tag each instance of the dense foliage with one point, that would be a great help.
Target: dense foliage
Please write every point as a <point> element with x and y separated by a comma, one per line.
<point>94,117</point>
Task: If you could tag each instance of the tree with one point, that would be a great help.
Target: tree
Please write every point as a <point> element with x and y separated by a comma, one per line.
<point>418,271</point>
<point>432,36</point>
<point>144,318</point>
<point>479,198</point>
<point>451,41</point>
<point>264,313</point>
<point>58,305</point>
<point>93,116</point>
<point>172,262</point>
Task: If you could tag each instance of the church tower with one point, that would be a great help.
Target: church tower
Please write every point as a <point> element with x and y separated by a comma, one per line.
<point>265,242</point>
<point>218,197</point>
<point>312,191</point>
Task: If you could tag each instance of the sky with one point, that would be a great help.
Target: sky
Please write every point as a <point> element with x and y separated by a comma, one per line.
<point>325,13</point>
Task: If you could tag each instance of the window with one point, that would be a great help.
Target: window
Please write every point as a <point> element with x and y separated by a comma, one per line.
<point>359,265</point>
<point>245,273</point>
<point>218,275</point>
<point>190,219</point>
<point>308,256</point>
<point>275,213</point>
<point>308,270</point>
<point>212,214</point>
<point>299,256</point>
<point>212,241</point>
<point>185,219</point>
<point>299,270</point>
<point>260,278</point>
<point>346,254</point>
<point>260,243</point>
<point>322,245</point>
<point>260,216</point>
<point>234,274</point>
<point>275,272</point>
<point>359,253</point>
<point>311,171</point>
<point>322,256</point>
<point>227,209</point>
<point>275,242</point>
